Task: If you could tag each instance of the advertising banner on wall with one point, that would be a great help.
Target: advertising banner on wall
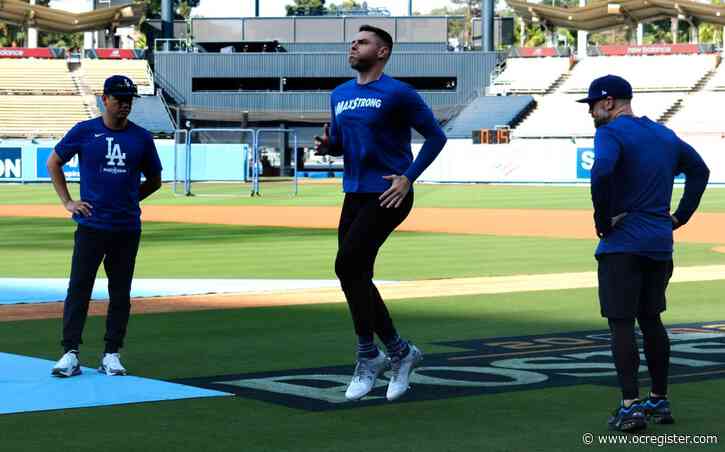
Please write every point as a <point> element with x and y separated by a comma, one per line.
<point>536,162</point>
<point>116,54</point>
<point>70,169</point>
<point>10,163</point>
<point>585,162</point>
<point>40,52</point>
<point>656,49</point>
<point>532,52</point>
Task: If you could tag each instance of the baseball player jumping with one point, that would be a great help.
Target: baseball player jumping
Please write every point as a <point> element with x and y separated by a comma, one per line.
<point>113,153</point>
<point>371,125</point>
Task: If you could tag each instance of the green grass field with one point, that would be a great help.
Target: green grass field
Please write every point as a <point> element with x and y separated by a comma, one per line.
<point>208,343</point>
<point>426,195</point>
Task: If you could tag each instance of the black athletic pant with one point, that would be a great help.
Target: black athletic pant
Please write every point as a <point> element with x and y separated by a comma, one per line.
<point>117,250</point>
<point>633,287</point>
<point>626,354</point>
<point>364,227</point>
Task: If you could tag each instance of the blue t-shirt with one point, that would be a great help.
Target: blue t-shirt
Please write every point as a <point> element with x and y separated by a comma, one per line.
<point>372,124</point>
<point>635,164</point>
<point>111,163</point>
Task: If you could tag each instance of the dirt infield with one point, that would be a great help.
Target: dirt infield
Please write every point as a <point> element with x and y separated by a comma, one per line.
<point>704,228</point>
<point>393,291</point>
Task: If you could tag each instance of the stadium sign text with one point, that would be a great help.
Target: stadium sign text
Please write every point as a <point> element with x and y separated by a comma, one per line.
<point>71,169</point>
<point>10,163</point>
<point>486,366</point>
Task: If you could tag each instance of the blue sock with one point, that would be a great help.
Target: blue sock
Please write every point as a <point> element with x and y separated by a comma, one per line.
<point>397,346</point>
<point>366,348</point>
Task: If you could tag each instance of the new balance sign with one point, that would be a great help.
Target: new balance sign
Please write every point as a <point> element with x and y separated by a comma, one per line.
<point>10,159</point>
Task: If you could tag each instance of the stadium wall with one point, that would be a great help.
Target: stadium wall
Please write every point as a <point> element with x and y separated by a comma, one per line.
<point>537,162</point>
<point>461,161</point>
<point>24,161</point>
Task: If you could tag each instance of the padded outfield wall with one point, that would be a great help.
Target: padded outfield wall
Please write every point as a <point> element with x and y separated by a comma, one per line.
<point>461,161</point>
<point>539,161</point>
<point>24,161</point>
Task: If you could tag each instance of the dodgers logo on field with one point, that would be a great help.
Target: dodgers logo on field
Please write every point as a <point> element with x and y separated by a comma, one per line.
<point>485,366</point>
<point>10,163</point>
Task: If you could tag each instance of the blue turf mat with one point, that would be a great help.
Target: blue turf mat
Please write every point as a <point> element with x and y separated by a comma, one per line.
<point>26,385</point>
<point>40,290</point>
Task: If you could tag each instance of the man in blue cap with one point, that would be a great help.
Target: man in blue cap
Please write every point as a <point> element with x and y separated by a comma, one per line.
<point>635,164</point>
<point>113,153</point>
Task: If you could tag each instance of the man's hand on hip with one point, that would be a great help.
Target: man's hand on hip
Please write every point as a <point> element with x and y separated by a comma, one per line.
<point>79,207</point>
<point>393,197</point>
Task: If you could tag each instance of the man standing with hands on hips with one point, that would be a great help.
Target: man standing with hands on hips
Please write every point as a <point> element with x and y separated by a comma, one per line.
<point>372,117</point>
<point>635,164</point>
<point>113,152</point>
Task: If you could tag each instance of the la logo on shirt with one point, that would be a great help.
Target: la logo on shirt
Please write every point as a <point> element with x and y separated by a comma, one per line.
<point>115,158</point>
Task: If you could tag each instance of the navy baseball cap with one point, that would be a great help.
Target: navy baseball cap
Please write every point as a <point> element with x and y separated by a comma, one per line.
<point>608,86</point>
<point>120,85</point>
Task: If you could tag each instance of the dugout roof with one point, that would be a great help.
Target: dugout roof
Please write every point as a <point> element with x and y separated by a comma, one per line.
<point>600,15</point>
<point>49,19</point>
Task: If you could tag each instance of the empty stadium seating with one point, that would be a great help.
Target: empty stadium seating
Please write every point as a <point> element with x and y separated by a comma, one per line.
<point>717,82</point>
<point>40,116</point>
<point>645,73</point>
<point>700,113</point>
<point>95,72</point>
<point>35,76</point>
<point>488,112</point>
<point>150,113</point>
<point>559,115</point>
<point>531,75</point>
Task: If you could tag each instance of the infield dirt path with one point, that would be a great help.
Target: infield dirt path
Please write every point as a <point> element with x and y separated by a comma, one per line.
<point>393,291</point>
<point>704,228</point>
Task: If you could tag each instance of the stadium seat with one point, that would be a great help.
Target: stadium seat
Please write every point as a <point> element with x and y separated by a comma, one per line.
<point>700,113</point>
<point>531,75</point>
<point>95,72</point>
<point>37,116</point>
<point>488,112</point>
<point>150,113</point>
<point>717,82</point>
<point>560,116</point>
<point>645,73</point>
<point>36,76</point>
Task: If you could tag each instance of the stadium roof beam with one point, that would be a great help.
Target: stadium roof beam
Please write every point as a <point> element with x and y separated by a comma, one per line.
<point>600,15</point>
<point>49,19</point>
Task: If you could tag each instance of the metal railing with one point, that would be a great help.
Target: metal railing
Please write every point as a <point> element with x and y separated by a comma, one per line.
<point>257,163</point>
<point>171,45</point>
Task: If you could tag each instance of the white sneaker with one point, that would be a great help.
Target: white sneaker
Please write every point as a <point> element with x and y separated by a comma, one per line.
<point>111,365</point>
<point>366,372</point>
<point>401,368</point>
<point>67,366</point>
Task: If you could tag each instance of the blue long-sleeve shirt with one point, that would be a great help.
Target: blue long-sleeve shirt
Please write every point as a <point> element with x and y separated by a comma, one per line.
<point>635,164</point>
<point>371,125</point>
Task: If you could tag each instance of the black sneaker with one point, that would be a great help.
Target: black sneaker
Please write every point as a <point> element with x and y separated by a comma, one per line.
<point>628,419</point>
<point>658,410</point>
